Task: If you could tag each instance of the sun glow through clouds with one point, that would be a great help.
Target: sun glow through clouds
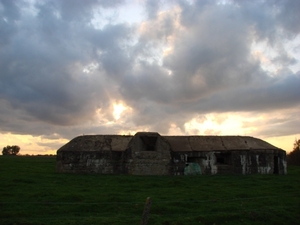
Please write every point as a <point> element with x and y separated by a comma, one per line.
<point>118,110</point>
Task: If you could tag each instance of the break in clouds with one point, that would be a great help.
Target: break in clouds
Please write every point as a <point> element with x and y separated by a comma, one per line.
<point>65,66</point>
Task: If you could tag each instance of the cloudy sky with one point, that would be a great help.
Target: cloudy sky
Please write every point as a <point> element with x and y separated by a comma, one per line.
<point>179,67</point>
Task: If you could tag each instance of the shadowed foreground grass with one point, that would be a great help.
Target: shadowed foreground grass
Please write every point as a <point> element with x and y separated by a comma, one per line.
<point>31,192</point>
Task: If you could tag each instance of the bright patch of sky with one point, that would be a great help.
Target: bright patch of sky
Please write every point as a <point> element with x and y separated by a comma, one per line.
<point>267,54</point>
<point>293,49</point>
<point>90,68</point>
<point>118,110</point>
<point>131,13</point>
<point>218,124</point>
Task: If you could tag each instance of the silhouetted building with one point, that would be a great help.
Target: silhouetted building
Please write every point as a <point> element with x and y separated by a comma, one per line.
<point>148,153</point>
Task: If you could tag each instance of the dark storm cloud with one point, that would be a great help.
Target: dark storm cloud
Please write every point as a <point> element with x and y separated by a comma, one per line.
<point>57,69</point>
<point>9,13</point>
<point>274,94</point>
<point>267,16</point>
<point>39,68</point>
<point>113,57</point>
<point>211,56</point>
<point>289,14</point>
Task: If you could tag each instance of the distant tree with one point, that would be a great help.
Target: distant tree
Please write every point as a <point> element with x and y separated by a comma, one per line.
<point>11,150</point>
<point>297,145</point>
<point>294,156</point>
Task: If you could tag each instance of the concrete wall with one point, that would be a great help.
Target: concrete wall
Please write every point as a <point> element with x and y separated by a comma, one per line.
<point>149,154</point>
<point>104,154</point>
<point>232,162</point>
<point>105,162</point>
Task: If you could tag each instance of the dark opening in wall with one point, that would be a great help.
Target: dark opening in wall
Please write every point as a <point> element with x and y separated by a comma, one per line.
<point>223,158</point>
<point>195,159</point>
<point>149,142</point>
<point>220,160</point>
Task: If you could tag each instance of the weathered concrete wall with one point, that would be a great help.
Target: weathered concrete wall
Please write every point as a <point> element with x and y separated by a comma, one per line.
<point>149,154</point>
<point>232,162</point>
<point>106,162</point>
<point>103,154</point>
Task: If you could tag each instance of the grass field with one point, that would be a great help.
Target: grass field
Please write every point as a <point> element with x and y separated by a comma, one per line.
<point>31,192</point>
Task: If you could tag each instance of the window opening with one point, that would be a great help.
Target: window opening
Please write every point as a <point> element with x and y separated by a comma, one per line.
<point>195,159</point>
<point>223,158</point>
<point>149,142</point>
<point>220,160</point>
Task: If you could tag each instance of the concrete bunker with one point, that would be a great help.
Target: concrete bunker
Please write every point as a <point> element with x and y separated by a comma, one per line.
<point>149,153</point>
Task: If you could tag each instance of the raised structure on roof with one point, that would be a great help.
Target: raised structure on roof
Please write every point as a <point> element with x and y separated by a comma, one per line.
<point>148,153</point>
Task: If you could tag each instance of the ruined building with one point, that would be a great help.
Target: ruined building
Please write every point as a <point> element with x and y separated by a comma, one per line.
<point>148,153</point>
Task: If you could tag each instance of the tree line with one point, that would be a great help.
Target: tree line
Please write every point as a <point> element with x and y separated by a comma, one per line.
<point>11,150</point>
<point>293,158</point>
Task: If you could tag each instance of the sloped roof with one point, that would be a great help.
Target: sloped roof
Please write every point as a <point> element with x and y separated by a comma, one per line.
<point>177,143</point>
<point>209,143</point>
<point>98,142</point>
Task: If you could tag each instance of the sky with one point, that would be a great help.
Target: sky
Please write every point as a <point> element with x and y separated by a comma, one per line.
<point>177,67</point>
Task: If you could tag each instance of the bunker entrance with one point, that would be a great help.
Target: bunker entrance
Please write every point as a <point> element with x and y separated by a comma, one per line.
<point>149,142</point>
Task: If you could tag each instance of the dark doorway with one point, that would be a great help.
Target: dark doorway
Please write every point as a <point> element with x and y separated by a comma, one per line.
<point>276,169</point>
<point>149,142</point>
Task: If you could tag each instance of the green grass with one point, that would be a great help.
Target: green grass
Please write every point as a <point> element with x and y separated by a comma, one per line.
<point>31,192</point>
